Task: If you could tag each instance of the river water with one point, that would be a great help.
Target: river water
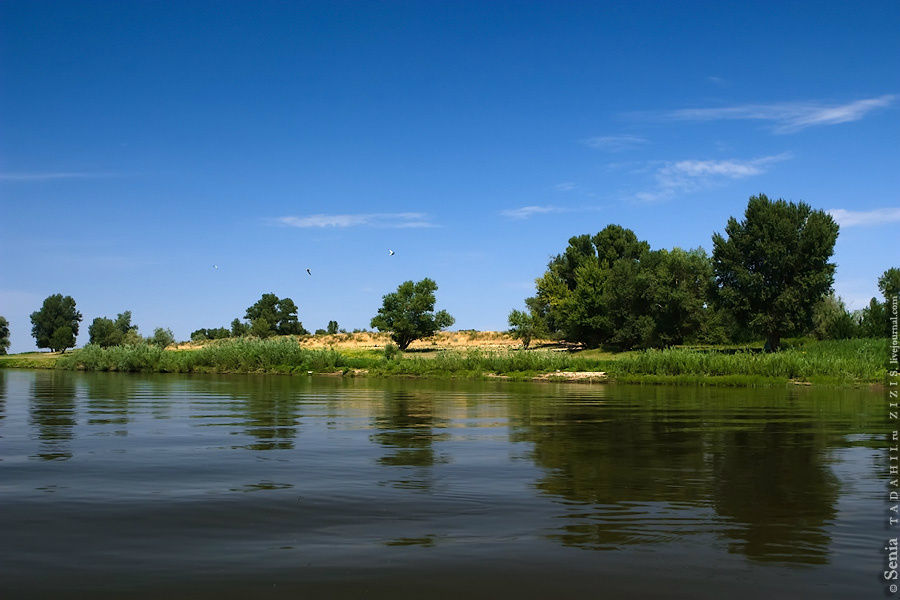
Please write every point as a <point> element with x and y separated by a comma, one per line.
<point>177,486</point>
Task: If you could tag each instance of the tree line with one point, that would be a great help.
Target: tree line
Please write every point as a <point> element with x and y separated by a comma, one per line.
<point>769,276</point>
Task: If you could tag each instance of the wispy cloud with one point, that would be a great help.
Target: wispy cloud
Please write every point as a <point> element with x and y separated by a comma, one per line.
<point>565,186</point>
<point>615,143</point>
<point>684,176</point>
<point>865,218</point>
<point>524,212</point>
<point>52,176</point>
<point>787,117</point>
<point>390,220</point>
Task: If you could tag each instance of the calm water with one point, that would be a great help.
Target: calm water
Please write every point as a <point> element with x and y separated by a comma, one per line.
<point>252,486</point>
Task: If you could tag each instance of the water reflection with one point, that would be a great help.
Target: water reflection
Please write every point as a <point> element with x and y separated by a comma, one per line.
<point>406,426</point>
<point>658,469</point>
<point>772,483</point>
<point>53,413</point>
<point>269,410</point>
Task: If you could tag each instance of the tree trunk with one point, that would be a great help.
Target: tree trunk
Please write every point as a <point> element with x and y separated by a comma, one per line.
<point>773,341</point>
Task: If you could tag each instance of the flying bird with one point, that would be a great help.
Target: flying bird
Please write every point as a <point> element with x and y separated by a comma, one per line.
<point>308,272</point>
<point>391,251</point>
<point>216,267</point>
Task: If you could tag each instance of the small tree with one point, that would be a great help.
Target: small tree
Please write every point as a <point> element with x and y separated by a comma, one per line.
<point>408,313</point>
<point>55,325</point>
<point>107,332</point>
<point>280,314</point>
<point>832,320</point>
<point>332,327</point>
<point>772,267</point>
<point>4,335</point>
<point>162,338</point>
<point>239,329</point>
<point>260,328</point>
<point>523,326</point>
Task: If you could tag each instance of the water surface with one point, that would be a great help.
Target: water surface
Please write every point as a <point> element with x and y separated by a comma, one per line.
<point>270,486</point>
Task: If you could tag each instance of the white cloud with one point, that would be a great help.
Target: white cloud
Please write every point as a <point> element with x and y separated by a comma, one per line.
<point>683,176</point>
<point>787,117</point>
<point>525,212</point>
<point>392,220</point>
<point>615,143</point>
<point>864,218</point>
<point>565,186</point>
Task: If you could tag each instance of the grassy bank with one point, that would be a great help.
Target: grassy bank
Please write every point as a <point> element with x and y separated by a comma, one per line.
<point>837,362</point>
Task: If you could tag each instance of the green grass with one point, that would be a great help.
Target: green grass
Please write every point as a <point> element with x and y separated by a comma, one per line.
<point>831,362</point>
<point>29,360</point>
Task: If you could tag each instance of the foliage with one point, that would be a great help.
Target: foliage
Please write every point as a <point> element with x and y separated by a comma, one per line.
<point>239,328</point>
<point>4,335</point>
<point>332,327</point>
<point>280,314</point>
<point>832,321</point>
<point>107,332</point>
<point>392,352</point>
<point>409,313</point>
<point>772,268</point>
<point>874,320</point>
<point>162,338</point>
<point>611,289</point>
<point>321,332</point>
<point>524,326</point>
<point>260,328</point>
<point>216,333</point>
<point>55,325</point>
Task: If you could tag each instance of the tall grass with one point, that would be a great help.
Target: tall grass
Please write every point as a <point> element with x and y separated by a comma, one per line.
<point>839,361</point>
<point>862,360</point>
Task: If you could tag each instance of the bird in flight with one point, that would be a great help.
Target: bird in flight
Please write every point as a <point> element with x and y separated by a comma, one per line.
<point>216,267</point>
<point>391,251</point>
<point>308,272</point>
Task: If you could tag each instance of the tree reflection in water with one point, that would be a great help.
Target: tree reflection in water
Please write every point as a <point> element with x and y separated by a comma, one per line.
<point>406,426</point>
<point>52,413</point>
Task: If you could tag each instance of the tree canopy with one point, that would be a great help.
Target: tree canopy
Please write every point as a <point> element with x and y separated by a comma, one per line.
<point>279,315</point>
<point>108,332</point>
<point>772,267</point>
<point>4,335</point>
<point>55,325</point>
<point>611,289</point>
<point>409,313</point>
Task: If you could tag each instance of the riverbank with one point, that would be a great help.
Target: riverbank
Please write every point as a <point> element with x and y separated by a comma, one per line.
<point>846,362</point>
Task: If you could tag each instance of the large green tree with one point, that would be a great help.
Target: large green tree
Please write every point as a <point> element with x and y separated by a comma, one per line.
<point>409,313</point>
<point>55,325</point>
<point>4,335</point>
<point>772,267</point>
<point>875,318</point>
<point>279,314</point>
<point>611,289</point>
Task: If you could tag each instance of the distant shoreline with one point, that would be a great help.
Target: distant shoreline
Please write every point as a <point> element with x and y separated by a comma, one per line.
<point>489,356</point>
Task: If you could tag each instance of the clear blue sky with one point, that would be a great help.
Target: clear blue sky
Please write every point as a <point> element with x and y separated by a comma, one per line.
<point>142,143</point>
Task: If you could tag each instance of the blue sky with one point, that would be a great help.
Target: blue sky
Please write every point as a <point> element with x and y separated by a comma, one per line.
<point>142,143</point>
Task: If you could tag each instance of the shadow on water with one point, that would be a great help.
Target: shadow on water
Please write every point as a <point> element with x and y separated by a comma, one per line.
<point>655,466</point>
<point>53,413</point>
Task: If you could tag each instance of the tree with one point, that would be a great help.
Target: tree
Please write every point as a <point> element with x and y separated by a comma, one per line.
<point>524,326</point>
<point>162,338</point>
<point>772,268</point>
<point>874,319</point>
<point>260,328</point>
<point>332,327</point>
<point>611,289</point>
<point>239,329</point>
<point>280,314</point>
<point>4,335</point>
<point>215,333</point>
<point>107,332</point>
<point>55,325</point>
<point>832,321</point>
<point>409,313</point>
